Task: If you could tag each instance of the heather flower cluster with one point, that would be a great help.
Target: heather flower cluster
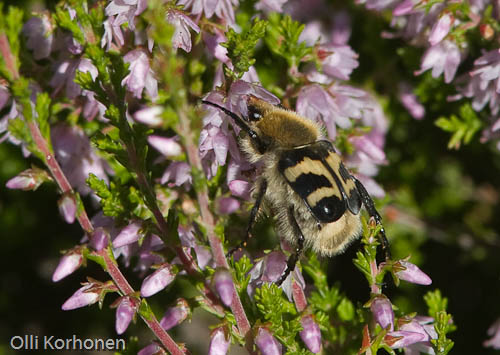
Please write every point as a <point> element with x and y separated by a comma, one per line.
<point>114,120</point>
<point>443,30</point>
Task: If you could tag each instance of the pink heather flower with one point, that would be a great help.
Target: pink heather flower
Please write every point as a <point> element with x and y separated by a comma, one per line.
<point>310,334</point>
<point>68,264</point>
<point>318,104</point>
<point>65,76</point>
<point>378,5</point>
<point>401,339</point>
<point>410,102</point>
<point>424,326</point>
<point>140,76</point>
<point>212,44</point>
<point>175,315</point>
<point>313,33</point>
<point>38,31</point>
<point>364,145</point>
<point>152,349</point>
<point>482,92</point>
<point>440,29</point>
<point>128,235</point>
<point>222,8</point>
<point>151,116</point>
<point>269,269</point>
<point>178,172</point>
<point>124,314</point>
<point>483,83</point>
<point>112,33</point>
<point>266,343</point>
<point>148,253</point>
<point>240,188</point>
<point>404,8</point>
<point>228,205</point>
<point>241,89</point>
<point>199,6</point>
<point>99,239</point>
<point>81,298</point>
<point>92,107</point>
<point>182,36</point>
<point>412,273</point>
<point>488,67</point>
<point>443,57</point>
<point>157,281</point>
<point>126,10</point>
<point>382,311</point>
<point>28,180</point>
<point>188,240</point>
<point>223,282</point>
<point>270,5</point>
<point>219,342</point>
<point>214,141</point>
<point>67,208</point>
<point>494,333</point>
<point>338,61</point>
<point>369,154</point>
<point>76,157</point>
<point>166,146</point>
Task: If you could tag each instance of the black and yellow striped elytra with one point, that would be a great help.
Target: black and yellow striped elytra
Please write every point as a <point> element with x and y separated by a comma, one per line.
<point>303,182</point>
<point>316,173</point>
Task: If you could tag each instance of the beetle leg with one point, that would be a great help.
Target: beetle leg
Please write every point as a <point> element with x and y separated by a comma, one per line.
<point>292,260</point>
<point>261,191</point>
<point>370,207</point>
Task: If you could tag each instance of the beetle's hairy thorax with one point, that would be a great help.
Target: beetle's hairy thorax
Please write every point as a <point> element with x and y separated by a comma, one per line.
<point>287,129</point>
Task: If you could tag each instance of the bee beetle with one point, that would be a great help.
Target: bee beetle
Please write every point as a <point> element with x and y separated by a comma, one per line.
<point>315,199</point>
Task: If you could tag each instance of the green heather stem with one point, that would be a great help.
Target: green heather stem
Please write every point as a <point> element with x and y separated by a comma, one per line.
<point>209,222</point>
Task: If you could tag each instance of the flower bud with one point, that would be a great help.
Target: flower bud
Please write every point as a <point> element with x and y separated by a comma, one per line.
<point>67,208</point>
<point>382,311</point>
<point>266,343</point>
<point>150,116</point>
<point>28,180</point>
<point>219,343</point>
<point>152,349</point>
<point>400,339</point>
<point>175,315</point>
<point>240,188</point>
<point>157,281</point>
<point>223,282</point>
<point>166,146</point>
<point>440,29</point>
<point>494,333</point>
<point>68,264</point>
<point>412,273</point>
<point>81,298</point>
<point>99,239</point>
<point>128,235</point>
<point>310,334</point>
<point>228,205</point>
<point>124,314</point>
